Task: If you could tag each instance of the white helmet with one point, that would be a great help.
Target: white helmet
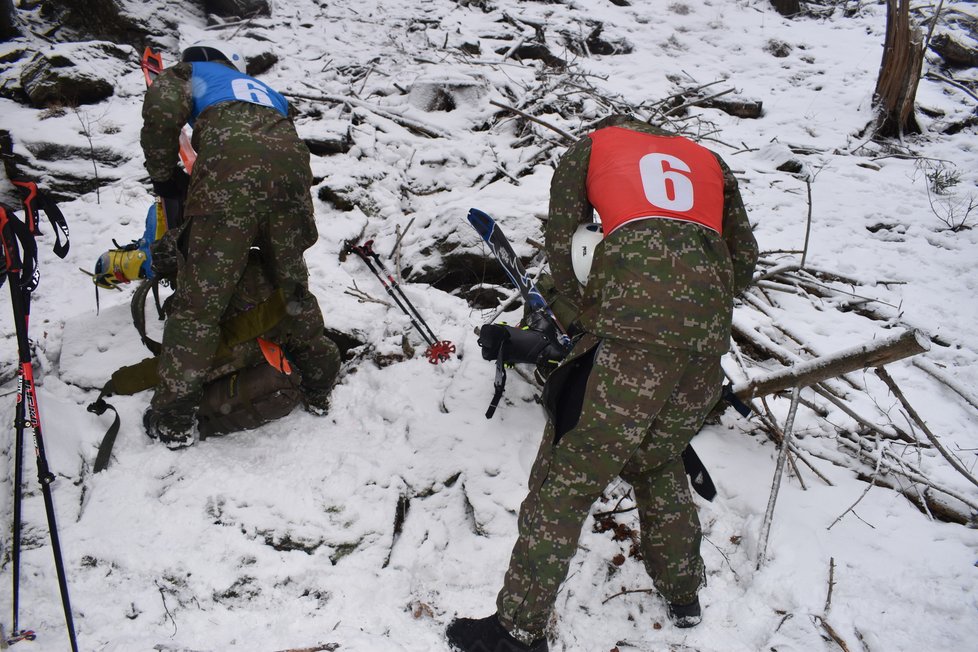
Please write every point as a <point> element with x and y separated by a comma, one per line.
<point>214,50</point>
<point>585,239</point>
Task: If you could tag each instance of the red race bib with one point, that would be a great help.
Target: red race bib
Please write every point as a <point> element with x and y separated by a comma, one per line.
<point>634,176</point>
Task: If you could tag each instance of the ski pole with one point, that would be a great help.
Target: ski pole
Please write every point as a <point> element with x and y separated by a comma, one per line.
<point>360,251</point>
<point>368,248</point>
<point>438,350</point>
<point>22,276</point>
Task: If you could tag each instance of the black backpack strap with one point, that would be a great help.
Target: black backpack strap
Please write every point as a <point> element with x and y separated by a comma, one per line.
<point>125,381</point>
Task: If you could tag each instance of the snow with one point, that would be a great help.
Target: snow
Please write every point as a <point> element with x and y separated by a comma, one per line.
<point>285,536</point>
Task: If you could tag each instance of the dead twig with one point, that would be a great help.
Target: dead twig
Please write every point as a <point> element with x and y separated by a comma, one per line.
<point>396,249</point>
<point>808,223</point>
<point>832,633</point>
<point>626,592</point>
<point>947,380</point>
<point>823,619</point>
<point>364,297</point>
<point>531,118</point>
<point>876,472</point>
<point>952,460</point>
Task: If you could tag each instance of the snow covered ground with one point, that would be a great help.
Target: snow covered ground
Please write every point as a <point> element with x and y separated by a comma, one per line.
<point>368,530</point>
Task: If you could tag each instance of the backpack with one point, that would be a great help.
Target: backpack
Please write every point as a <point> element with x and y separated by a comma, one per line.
<point>250,382</point>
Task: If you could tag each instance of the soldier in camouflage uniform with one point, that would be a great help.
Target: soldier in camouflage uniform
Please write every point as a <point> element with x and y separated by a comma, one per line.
<point>250,188</point>
<point>658,306</point>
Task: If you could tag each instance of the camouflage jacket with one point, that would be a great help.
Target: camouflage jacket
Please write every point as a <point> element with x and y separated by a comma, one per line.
<point>249,157</point>
<point>653,281</point>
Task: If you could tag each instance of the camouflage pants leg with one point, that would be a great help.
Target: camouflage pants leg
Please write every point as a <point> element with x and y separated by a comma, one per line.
<point>282,242</point>
<point>627,390</point>
<point>670,526</point>
<point>217,253</point>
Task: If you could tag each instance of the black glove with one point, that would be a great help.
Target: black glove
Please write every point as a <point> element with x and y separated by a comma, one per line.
<point>175,187</point>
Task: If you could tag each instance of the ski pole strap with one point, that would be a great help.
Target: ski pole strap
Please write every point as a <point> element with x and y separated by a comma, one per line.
<point>15,235</point>
<point>499,385</point>
<point>35,201</point>
<point>23,635</point>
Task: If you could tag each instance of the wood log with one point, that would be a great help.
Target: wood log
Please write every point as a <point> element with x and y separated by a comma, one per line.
<point>871,354</point>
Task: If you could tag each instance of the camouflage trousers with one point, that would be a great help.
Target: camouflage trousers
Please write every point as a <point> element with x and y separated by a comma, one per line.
<point>641,408</point>
<point>218,249</point>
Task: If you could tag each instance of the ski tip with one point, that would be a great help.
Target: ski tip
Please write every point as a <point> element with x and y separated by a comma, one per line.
<point>475,215</point>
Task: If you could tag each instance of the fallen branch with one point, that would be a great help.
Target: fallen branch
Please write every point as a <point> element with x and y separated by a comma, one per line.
<point>695,102</point>
<point>873,354</point>
<point>832,633</point>
<point>896,434</point>
<point>779,469</point>
<point>952,82</point>
<point>531,118</point>
<point>900,467</point>
<point>775,434</point>
<point>407,123</point>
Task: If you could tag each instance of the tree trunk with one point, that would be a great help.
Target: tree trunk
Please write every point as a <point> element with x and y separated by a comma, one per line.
<point>787,7</point>
<point>896,87</point>
<point>8,21</point>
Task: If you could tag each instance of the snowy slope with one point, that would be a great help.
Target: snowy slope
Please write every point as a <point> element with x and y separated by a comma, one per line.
<point>369,529</point>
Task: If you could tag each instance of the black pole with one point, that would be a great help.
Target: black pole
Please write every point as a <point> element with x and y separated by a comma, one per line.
<point>19,423</point>
<point>28,414</point>
<point>21,276</point>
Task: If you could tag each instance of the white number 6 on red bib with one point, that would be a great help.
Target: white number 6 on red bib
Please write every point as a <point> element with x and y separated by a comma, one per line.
<point>666,182</point>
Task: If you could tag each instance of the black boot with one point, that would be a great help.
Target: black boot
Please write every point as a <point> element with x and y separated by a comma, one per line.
<point>487,635</point>
<point>174,430</point>
<point>685,615</point>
